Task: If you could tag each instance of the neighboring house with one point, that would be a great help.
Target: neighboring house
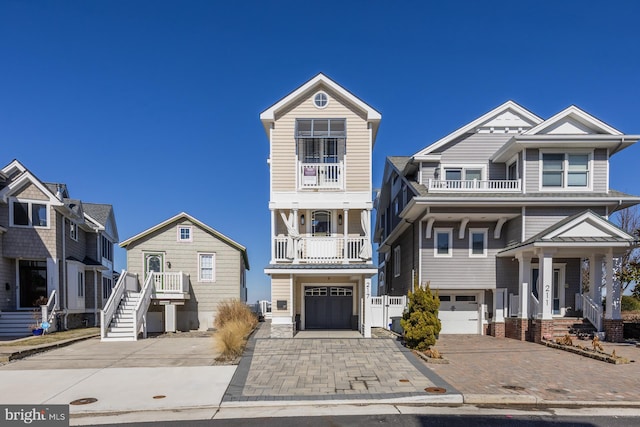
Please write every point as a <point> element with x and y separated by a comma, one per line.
<point>321,138</point>
<point>192,268</point>
<point>498,217</point>
<point>52,247</point>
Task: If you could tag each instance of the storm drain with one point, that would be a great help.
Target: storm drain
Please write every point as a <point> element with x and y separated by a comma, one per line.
<point>83,401</point>
<point>513,387</point>
<point>160,396</point>
<point>404,381</point>
<point>437,390</point>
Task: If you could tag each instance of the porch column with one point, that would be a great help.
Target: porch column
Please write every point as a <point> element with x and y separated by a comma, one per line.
<point>613,325</point>
<point>273,236</point>
<point>296,242</point>
<point>524,273</point>
<point>595,278</point>
<point>546,279</point>
<point>367,308</point>
<point>345,225</point>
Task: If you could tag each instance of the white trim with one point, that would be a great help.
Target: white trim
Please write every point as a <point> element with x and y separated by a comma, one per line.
<point>463,167</point>
<point>73,226</point>
<point>579,115</point>
<point>597,219</point>
<point>20,183</point>
<point>179,229</point>
<point>322,271</point>
<point>30,203</point>
<point>449,231</point>
<point>485,241</point>
<point>326,100</point>
<point>213,267</point>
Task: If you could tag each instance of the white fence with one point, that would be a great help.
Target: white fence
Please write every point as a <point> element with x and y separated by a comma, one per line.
<point>384,307</point>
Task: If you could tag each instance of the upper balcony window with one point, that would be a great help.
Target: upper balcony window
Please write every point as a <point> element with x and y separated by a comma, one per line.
<point>29,214</point>
<point>321,147</point>
<point>565,170</point>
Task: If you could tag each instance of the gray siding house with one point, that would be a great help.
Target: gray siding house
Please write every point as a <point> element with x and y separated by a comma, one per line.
<point>500,217</point>
<point>56,254</point>
<point>190,268</point>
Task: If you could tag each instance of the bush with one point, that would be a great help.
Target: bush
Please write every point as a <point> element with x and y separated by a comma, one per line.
<point>420,322</point>
<point>234,322</point>
<point>235,310</point>
<point>630,303</point>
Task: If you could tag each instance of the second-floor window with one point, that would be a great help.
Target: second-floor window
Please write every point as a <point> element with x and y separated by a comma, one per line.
<point>29,214</point>
<point>397,261</point>
<point>565,170</point>
<point>107,248</point>
<point>184,234</point>
<point>73,231</point>
<point>443,242</point>
<point>321,140</point>
<point>462,174</point>
<point>207,267</point>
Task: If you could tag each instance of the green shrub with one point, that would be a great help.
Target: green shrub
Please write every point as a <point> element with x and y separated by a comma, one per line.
<point>420,322</point>
<point>630,303</point>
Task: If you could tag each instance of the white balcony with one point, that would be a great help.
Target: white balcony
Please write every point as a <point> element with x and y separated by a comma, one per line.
<point>326,176</point>
<point>170,285</point>
<point>475,185</point>
<point>324,249</point>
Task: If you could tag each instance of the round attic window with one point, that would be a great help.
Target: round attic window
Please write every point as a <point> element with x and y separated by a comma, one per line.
<point>321,100</point>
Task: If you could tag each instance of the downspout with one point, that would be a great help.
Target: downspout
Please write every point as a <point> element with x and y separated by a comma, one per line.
<point>64,274</point>
<point>95,297</point>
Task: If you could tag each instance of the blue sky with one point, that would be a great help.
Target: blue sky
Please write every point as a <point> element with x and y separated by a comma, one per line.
<point>153,106</point>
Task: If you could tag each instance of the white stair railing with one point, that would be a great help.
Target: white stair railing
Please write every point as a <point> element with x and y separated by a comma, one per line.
<point>592,311</point>
<point>110,307</point>
<point>50,309</point>
<point>140,311</point>
<point>534,303</point>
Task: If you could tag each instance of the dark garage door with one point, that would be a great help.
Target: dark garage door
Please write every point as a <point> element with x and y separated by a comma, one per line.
<point>328,307</point>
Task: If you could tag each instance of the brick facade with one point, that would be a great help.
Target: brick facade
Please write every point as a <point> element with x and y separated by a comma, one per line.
<point>614,330</point>
<point>497,329</point>
<point>516,328</point>
<point>542,329</point>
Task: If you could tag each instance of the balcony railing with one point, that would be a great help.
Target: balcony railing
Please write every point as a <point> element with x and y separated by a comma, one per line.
<point>329,176</point>
<point>170,283</point>
<point>494,185</point>
<point>325,249</point>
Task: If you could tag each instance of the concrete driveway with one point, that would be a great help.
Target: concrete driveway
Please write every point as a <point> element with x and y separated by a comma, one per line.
<point>483,367</point>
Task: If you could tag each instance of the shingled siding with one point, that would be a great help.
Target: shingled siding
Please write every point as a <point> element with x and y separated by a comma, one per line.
<point>283,144</point>
<point>33,243</point>
<point>198,312</point>
<point>460,271</point>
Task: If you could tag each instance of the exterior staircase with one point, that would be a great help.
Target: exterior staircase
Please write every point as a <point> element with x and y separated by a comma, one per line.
<point>121,326</point>
<point>576,327</point>
<point>16,323</point>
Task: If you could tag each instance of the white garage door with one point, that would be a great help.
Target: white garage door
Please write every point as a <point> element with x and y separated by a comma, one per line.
<point>459,314</point>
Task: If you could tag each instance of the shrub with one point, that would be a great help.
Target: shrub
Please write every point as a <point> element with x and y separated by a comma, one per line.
<point>231,339</point>
<point>234,310</point>
<point>420,322</point>
<point>630,303</point>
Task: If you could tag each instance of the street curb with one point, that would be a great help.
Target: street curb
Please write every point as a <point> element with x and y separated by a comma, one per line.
<point>445,399</point>
<point>500,399</point>
<point>16,355</point>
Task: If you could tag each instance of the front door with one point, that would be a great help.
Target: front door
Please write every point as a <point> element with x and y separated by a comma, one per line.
<point>153,262</point>
<point>33,282</point>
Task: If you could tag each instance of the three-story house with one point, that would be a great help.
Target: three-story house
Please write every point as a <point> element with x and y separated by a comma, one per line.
<point>321,139</point>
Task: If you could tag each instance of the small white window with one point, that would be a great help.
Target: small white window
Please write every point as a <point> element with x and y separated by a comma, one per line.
<point>477,242</point>
<point>321,100</point>
<point>315,292</point>
<point>73,231</point>
<point>443,243</point>
<point>396,261</point>
<point>184,234</point>
<point>81,284</point>
<point>207,267</point>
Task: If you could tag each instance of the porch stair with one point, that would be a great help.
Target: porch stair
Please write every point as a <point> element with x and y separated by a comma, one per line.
<point>16,323</point>
<point>121,326</point>
<point>576,327</point>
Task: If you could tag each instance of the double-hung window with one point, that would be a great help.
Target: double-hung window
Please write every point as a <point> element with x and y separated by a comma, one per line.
<point>443,242</point>
<point>29,214</point>
<point>396,261</point>
<point>207,267</point>
<point>565,170</point>
<point>184,233</point>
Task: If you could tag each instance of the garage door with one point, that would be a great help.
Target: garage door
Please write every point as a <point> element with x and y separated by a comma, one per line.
<point>458,314</point>
<point>328,307</point>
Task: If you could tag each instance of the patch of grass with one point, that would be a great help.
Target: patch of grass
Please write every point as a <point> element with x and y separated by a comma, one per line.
<point>51,337</point>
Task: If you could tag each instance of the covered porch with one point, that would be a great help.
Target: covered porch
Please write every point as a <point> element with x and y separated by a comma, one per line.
<point>554,280</point>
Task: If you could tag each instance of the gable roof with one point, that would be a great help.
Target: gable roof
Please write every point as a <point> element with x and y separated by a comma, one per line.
<point>268,116</point>
<point>573,113</point>
<point>202,225</point>
<point>508,107</point>
<point>101,215</point>
<point>20,176</point>
<point>584,229</point>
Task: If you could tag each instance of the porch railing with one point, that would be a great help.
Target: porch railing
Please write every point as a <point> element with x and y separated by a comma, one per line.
<point>533,306</point>
<point>125,281</point>
<point>321,175</point>
<point>170,283</point>
<point>319,249</point>
<point>592,311</point>
<point>50,309</point>
<point>500,185</point>
<point>578,302</point>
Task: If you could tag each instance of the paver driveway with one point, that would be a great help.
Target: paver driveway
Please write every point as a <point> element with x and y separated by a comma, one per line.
<point>485,365</point>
